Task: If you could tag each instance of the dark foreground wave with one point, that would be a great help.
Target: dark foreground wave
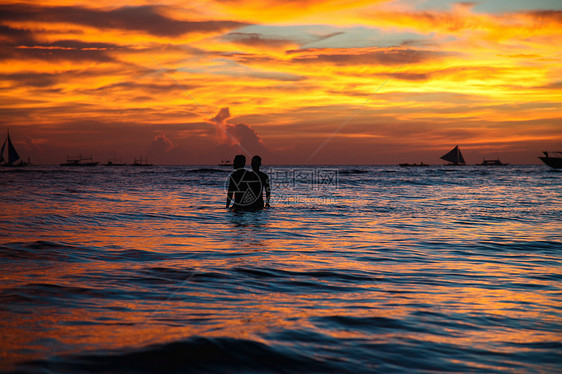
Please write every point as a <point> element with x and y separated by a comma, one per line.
<point>195,355</point>
<point>229,355</point>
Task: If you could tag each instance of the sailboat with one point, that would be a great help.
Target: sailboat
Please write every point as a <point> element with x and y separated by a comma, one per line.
<point>490,162</point>
<point>225,163</point>
<point>12,158</point>
<point>412,165</point>
<point>553,162</point>
<point>140,162</point>
<point>115,163</point>
<point>495,162</point>
<point>80,161</point>
<point>454,157</point>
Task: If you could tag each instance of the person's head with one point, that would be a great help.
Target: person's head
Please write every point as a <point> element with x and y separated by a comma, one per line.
<point>256,162</point>
<point>239,162</point>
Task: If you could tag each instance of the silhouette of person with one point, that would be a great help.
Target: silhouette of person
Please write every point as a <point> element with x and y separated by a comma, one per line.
<point>237,185</point>
<point>263,182</point>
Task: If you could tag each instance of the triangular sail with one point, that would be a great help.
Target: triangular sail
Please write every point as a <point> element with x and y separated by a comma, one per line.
<point>454,156</point>
<point>2,151</point>
<point>12,156</point>
<point>461,159</point>
<point>12,153</point>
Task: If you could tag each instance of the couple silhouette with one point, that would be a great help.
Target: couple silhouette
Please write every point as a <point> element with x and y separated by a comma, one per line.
<point>245,187</point>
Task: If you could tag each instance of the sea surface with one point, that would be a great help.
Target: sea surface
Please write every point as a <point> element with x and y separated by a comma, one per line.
<point>353,269</point>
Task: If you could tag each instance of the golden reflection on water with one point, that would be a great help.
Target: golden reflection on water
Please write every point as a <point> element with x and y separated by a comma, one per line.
<point>131,270</point>
<point>251,314</point>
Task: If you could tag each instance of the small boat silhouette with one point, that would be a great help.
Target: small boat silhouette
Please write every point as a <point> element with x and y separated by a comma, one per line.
<point>79,161</point>
<point>140,162</point>
<point>225,163</point>
<point>495,162</point>
<point>553,162</point>
<point>114,163</point>
<point>412,165</point>
<point>12,158</point>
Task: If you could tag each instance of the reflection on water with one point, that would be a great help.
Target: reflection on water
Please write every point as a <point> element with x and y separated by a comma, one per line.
<point>440,269</point>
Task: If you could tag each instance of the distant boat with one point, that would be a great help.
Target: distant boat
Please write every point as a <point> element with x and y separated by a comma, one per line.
<point>414,164</point>
<point>553,162</point>
<point>113,163</point>
<point>495,162</point>
<point>454,157</point>
<point>79,161</point>
<point>140,162</point>
<point>12,159</point>
<point>225,163</point>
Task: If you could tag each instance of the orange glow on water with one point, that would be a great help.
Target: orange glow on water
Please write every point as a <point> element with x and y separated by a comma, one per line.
<point>124,258</point>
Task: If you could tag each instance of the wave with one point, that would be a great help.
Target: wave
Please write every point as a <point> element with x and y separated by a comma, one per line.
<point>194,355</point>
<point>373,324</point>
<point>207,170</point>
<point>353,171</point>
<point>333,275</point>
<point>231,355</point>
<point>42,250</point>
<point>528,246</point>
<point>41,293</point>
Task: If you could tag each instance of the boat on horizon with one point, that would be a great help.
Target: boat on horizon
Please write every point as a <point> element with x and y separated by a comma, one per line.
<point>225,163</point>
<point>553,162</point>
<point>12,158</point>
<point>412,165</point>
<point>140,162</point>
<point>114,163</point>
<point>80,161</point>
<point>495,162</point>
<point>454,157</point>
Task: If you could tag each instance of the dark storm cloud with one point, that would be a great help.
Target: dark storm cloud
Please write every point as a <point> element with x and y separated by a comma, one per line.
<point>141,18</point>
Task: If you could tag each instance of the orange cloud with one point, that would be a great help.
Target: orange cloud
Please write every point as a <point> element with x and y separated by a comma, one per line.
<point>145,19</point>
<point>364,56</point>
<point>72,74</point>
<point>288,10</point>
<point>237,138</point>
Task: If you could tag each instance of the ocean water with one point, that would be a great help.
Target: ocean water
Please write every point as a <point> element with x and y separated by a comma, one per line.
<point>354,269</point>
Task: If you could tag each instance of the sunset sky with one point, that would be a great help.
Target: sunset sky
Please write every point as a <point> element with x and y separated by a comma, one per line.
<point>297,81</point>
